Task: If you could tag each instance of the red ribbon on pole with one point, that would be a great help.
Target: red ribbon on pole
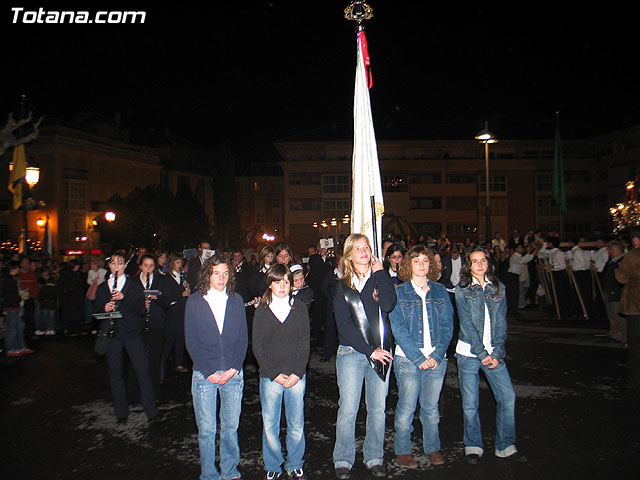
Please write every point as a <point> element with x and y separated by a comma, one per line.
<point>362,39</point>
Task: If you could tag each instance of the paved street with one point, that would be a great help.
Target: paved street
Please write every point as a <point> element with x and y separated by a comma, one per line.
<point>574,417</point>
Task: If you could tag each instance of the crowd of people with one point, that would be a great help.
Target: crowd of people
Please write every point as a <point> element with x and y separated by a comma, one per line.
<point>410,310</point>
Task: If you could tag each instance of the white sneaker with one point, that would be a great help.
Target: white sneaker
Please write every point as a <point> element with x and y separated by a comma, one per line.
<point>50,332</point>
<point>39,332</point>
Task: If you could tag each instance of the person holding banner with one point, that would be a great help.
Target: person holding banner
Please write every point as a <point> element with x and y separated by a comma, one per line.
<point>363,299</point>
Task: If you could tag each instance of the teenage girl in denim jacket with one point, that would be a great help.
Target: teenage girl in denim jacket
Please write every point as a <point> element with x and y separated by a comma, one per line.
<point>422,324</point>
<point>482,310</point>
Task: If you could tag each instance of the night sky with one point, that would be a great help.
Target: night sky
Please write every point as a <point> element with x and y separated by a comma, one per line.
<point>253,72</point>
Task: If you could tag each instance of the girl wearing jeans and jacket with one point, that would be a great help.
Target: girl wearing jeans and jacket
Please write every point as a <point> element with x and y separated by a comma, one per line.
<point>216,336</point>
<point>482,309</point>
<point>281,346</point>
<point>362,300</point>
<point>422,325</point>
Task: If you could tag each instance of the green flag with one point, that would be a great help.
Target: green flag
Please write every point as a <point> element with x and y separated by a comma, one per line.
<point>559,194</point>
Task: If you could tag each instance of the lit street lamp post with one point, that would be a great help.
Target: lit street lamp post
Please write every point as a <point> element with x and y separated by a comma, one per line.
<point>486,137</point>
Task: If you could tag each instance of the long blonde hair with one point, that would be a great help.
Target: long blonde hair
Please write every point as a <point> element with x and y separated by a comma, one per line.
<point>349,245</point>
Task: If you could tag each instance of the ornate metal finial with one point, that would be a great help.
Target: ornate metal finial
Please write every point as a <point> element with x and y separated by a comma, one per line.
<point>358,10</point>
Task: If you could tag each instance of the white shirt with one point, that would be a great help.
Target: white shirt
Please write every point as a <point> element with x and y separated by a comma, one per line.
<point>557,260</point>
<point>456,266</point>
<point>176,276</point>
<point>218,304</point>
<point>464,348</point>
<point>517,260</point>
<point>122,279</point>
<point>143,280</point>
<point>100,274</point>
<point>426,334</point>
<point>600,258</point>
<point>280,307</point>
<point>579,261</point>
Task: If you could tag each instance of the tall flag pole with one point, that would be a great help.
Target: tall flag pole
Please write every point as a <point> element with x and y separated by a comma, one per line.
<point>367,204</point>
<point>559,194</point>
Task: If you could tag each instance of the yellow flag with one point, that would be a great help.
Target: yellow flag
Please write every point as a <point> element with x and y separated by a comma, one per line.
<point>17,173</point>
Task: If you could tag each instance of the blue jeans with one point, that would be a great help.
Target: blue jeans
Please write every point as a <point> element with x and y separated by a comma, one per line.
<point>426,385</point>
<point>205,396</point>
<point>352,369</point>
<point>271,395</point>
<point>500,382</point>
<point>13,330</point>
<point>46,319</point>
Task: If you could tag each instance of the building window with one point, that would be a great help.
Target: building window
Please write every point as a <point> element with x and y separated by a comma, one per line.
<point>432,228</point>
<point>579,202</point>
<point>544,181</point>
<point>275,201</point>
<point>547,207</point>
<point>75,228</point>
<point>498,206</point>
<point>579,176</point>
<point>394,183</point>
<point>75,195</point>
<point>304,179</point>
<point>577,228</point>
<point>425,178</point>
<point>335,208</point>
<point>461,178</point>
<point>260,218</point>
<point>461,229</point>
<point>425,203</point>
<point>297,204</point>
<point>336,183</point>
<point>275,218</point>
<point>461,203</point>
<point>497,183</point>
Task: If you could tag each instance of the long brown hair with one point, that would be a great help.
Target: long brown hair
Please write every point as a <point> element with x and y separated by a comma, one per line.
<point>203,284</point>
<point>404,272</point>
<point>276,273</point>
<point>466,278</point>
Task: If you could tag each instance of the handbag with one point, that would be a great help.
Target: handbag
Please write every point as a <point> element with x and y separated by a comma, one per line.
<point>91,291</point>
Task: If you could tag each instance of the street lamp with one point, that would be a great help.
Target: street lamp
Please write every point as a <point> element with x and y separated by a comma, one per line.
<point>109,216</point>
<point>486,137</point>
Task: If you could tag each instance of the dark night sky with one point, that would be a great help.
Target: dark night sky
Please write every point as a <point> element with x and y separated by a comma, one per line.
<point>255,71</point>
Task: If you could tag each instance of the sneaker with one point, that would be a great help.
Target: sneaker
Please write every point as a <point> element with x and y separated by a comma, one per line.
<point>50,332</point>
<point>298,473</point>
<point>378,471</point>
<point>272,475</point>
<point>343,473</point>
<point>25,351</point>
<point>14,353</point>
<point>39,332</point>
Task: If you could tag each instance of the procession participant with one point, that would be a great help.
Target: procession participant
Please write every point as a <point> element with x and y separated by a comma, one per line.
<point>120,293</point>
<point>362,300</point>
<point>482,309</point>
<point>281,346</point>
<point>216,336</point>
<point>422,324</point>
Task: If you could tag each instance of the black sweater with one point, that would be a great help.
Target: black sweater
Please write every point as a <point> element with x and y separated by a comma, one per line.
<point>281,347</point>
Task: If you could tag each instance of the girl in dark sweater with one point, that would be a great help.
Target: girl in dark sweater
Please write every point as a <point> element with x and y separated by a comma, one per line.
<point>281,345</point>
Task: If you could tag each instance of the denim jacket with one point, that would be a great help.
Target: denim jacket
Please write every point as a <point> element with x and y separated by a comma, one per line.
<point>471,301</point>
<point>407,323</point>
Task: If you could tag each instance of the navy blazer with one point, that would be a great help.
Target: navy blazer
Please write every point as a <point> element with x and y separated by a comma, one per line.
<point>210,350</point>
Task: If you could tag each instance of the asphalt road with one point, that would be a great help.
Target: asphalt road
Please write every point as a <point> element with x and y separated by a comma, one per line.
<point>574,416</point>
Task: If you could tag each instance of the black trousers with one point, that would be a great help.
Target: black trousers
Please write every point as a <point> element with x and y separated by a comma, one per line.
<point>633,352</point>
<point>513,292</point>
<point>134,347</point>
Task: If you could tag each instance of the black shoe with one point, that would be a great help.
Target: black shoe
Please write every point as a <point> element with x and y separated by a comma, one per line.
<point>473,458</point>
<point>122,420</point>
<point>378,471</point>
<point>516,457</point>
<point>343,473</point>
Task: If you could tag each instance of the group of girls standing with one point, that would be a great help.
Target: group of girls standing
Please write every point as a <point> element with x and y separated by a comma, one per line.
<point>369,310</point>
<point>421,319</point>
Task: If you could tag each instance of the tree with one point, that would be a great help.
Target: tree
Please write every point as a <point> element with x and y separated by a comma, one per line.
<point>153,217</point>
